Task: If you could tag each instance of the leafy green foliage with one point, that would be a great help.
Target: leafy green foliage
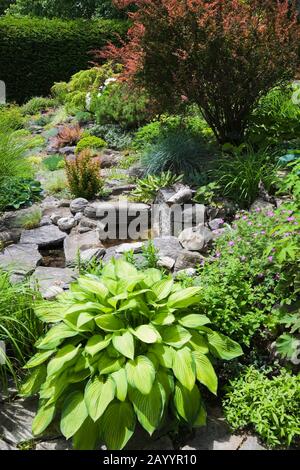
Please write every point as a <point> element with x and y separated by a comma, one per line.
<point>83,175</point>
<point>117,104</point>
<point>124,348</point>
<point>240,175</point>
<point>248,276</point>
<point>11,118</point>
<point>57,48</point>
<point>290,184</point>
<point>54,162</point>
<point>207,194</point>
<point>147,188</point>
<point>90,142</point>
<point>276,118</point>
<point>268,405</point>
<point>31,219</point>
<point>116,137</point>
<point>36,105</point>
<point>12,157</point>
<point>19,327</point>
<point>288,344</point>
<point>18,192</point>
<point>179,152</point>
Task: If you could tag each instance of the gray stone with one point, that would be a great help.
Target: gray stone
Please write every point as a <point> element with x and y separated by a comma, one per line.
<point>193,214</point>
<point>78,217</point>
<point>135,247</point>
<point>46,220</point>
<point>166,262</point>
<point>5,446</point>
<point>77,242</point>
<point>20,259</point>
<point>111,253</point>
<point>16,420</point>
<point>261,205</point>
<point>52,281</point>
<point>9,237</point>
<point>78,205</point>
<point>164,195</point>
<point>14,219</point>
<point>55,444</point>
<point>218,233</point>
<point>195,238</point>
<point>117,189</point>
<point>182,196</point>
<point>92,254</point>
<point>215,435</point>
<point>68,150</point>
<point>85,222</point>
<point>188,259</point>
<point>215,224</point>
<point>251,443</point>
<point>64,203</point>
<point>168,246</point>
<point>110,158</point>
<point>136,171</point>
<point>65,224</point>
<point>48,236</point>
<point>99,210</point>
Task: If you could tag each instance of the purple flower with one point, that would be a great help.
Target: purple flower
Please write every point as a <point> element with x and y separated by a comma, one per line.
<point>258,209</point>
<point>250,223</point>
<point>218,254</point>
<point>263,232</point>
<point>260,275</point>
<point>270,258</point>
<point>270,214</point>
<point>291,219</point>
<point>245,217</point>
<point>231,243</point>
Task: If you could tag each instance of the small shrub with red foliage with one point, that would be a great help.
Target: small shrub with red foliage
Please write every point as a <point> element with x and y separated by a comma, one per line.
<point>83,175</point>
<point>222,55</point>
<point>69,135</point>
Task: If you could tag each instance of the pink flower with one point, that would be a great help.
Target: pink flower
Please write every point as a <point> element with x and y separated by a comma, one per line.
<point>290,219</point>
<point>218,254</point>
<point>270,258</point>
<point>263,232</point>
<point>270,214</point>
<point>231,243</point>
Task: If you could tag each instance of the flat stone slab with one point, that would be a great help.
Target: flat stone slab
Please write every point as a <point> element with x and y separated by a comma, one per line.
<point>16,420</point>
<point>80,242</point>
<point>188,259</point>
<point>251,443</point>
<point>21,259</point>
<point>55,444</point>
<point>5,446</point>
<point>44,237</point>
<point>99,210</point>
<point>168,246</point>
<point>125,247</point>
<point>51,281</point>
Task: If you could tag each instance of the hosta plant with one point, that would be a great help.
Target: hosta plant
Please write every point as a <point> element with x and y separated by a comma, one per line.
<point>123,348</point>
<point>147,187</point>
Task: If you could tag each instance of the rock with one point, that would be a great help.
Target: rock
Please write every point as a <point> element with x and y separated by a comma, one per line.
<point>92,254</point>
<point>215,224</point>
<point>78,217</point>
<point>66,224</point>
<point>68,150</point>
<point>99,210</point>
<point>164,195</point>
<point>135,247</point>
<point>16,420</point>
<point>117,189</point>
<point>110,158</point>
<point>5,446</point>
<point>261,205</point>
<point>9,237</point>
<point>52,281</point>
<point>193,214</point>
<point>189,272</point>
<point>55,444</point>
<point>251,443</point>
<point>85,222</point>
<point>188,259</point>
<point>20,260</point>
<point>168,246</point>
<point>182,196</point>
<point>111,253</point>
<point>195,238</point>
<point>166,262</point>
<point>84,229</point>
<point>48,236</point>
<point>12,220</point>
<point>215,435</point>
<point>46,220</point>
<point>78,205</point>
<point>218,233</point>
<point>136,171</point>
<point>77,242</point>
<point>64,203</point>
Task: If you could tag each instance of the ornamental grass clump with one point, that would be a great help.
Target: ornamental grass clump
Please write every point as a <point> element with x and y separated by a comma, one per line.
<point>124,347</point>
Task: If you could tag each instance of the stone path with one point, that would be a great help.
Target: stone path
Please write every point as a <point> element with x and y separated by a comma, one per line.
<point>16,419</point>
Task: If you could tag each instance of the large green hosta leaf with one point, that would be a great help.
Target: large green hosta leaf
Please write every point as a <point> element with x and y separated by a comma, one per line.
<point>141,374</point>
<point>124,270</point>
<point>120,379</point>
<point>34,381</point>
<point>62,358</point>
<point>162,289</point>
<point>74,414</point>
<point>107,365</point>
<point>164,354</point>
<point>194,320</point>
<point>109,322</point>
<point>184,368</point>
<point>175,336</point>
<point>205,371</point>
<point>94,287</point>
<point>98,394</point>
<point>184,297</point>
<point>147,334</point>
<point>124,343</point>
<point>56,336</point>
<point>97,343</point>
<point>42,419</point>
<point>118,425</point>
<point>187,402</point>
<point>148,408</point>
<point>39,359</point>
<point>87,436</point>
<point>199,342</point>
<point>222,346</point>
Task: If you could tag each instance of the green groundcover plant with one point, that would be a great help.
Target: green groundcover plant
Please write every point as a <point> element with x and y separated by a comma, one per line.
<point>269,405</point>
<point>125,348</point>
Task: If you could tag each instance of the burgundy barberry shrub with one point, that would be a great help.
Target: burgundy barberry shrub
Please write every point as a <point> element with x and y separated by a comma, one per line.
<point>222,55</point>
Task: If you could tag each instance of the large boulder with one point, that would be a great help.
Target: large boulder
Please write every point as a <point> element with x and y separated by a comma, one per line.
<point>77,243</point>
<point>44,237</point>
<point>20,260</point>
<point>188,259</point>
<point>52,281</point>
<point>167,246</point>
<point>196,238</point>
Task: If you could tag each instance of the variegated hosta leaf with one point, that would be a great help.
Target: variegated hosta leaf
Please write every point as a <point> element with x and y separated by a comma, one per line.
<point>120,380</point>
<point>164,354</point>
<point>39,358</point>
<point>124,343</point>
<point>88,436</point>
<point>107,365</point>
<point>56,336</point>
<point>184,367</point>
<point>43,418</point>
<point>194,320</point>
<point>109,322</point>
<point>34,381</point>
<point>199,342</point>
<point>162,289</point>
<point>166,380</point>
<point>124,270</point>
<point>118,425</point>
<point>205,371</point>
<point>184,297</point>
<point>98,394</point>
<point>63,357</point>
<point>223,347</point>
<point>163,317</point>
<point>95,287</point>
<point>97,343</point>
<point>141,374</point>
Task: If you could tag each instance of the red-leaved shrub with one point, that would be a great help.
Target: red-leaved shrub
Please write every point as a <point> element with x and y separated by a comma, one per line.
<point>222,55</point>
